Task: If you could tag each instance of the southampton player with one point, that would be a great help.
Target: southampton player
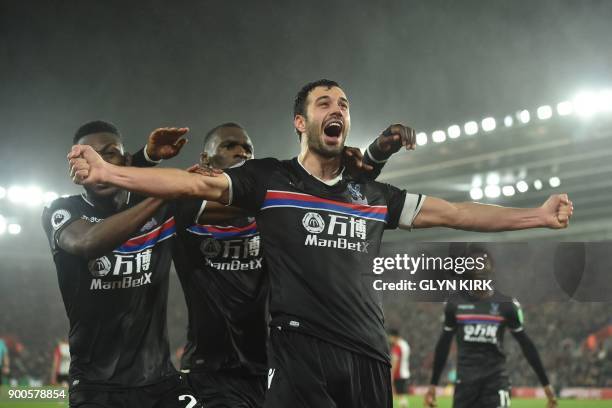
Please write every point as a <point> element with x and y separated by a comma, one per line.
<point>320,231</point>
<point>223,277</point>
<point>61,364</point>
<point>112,252</point>
<point>400,367</point>
<point>478,320</point>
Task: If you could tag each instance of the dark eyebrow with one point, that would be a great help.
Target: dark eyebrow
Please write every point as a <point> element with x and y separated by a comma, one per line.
<point>106,146</point>
<point>343,99</point>
<point>322,97</point>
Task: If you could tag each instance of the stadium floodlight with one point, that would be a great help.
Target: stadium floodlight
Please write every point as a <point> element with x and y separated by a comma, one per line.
<point>544,112</point>
<point>565,108</point>
<point>554,182</point>
<point>605,97</point>
<point>16,194</point>
<point>476,193</point>
<point>493,178</point>
<point>471,128</point>
<point>2,192</point>
<point>492,191</point>
<point>586,104</point>
<point>421,138</point>
<point>49,197</point>
<point>477,180</point>
<point>508,191</point>
<point>454,131</point>
<point>522,186</point>
<point>524,116</point>
<point>537,184</point>
<point>33,196</point>
<point>14,229</point>
<point>2,224</point>
<point>438,136</point>
<point>488,124</point>
<point>508,121</point>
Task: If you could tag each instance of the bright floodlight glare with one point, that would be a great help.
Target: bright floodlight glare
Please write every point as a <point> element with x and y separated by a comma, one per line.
<point>522,186</point>
<point>544,112</point>
<point>471,128</point>
<point>492,191</point>
<point>508,191</point>
<point>2,192</point>
<point>554,182</point>
<point>16,194</point>
<point>493,178</point>
<point>565,108</point>
<point>438,136</point>
<point>477,181</point>
<point>14,229</point>
<point>2,224</point>
<point>508,121</point>
<point>488,124</point>
<point>421,139</point>
<point>33,196</point>
<point>605,98</point>
<point>454,131</point>
<point>49,197</point>
<point>476,193</point>
<point>586,104</point>
<point>524,116</point>
<point>537,184</point>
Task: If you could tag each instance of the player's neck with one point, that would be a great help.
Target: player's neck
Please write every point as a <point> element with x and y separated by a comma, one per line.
<point>113,203</point>
<point>323,168</point>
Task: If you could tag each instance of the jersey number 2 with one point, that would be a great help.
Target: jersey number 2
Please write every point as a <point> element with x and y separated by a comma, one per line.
<point>192,401</point>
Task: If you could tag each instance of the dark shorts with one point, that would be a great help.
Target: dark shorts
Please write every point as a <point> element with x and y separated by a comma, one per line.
<point>490,392</point>
<point>307,372</point>
<point>217,389</point>
<point>171,393</point>
<point>401,386</point>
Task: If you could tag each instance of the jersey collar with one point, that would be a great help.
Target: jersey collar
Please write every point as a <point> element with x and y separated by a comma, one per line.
<point>331,182</point>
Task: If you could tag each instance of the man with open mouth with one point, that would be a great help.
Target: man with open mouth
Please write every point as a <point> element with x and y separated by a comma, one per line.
<point>321,230</point>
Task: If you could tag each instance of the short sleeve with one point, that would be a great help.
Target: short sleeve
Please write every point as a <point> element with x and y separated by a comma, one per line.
<point>402,207</point>
<point>513,313</point>
<point>56,217</point>
<point>450,316</point>
<point>248,183</point>
<point>186,212</point>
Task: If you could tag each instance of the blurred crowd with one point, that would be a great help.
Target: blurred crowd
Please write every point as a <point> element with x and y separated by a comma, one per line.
<point>573,338</point>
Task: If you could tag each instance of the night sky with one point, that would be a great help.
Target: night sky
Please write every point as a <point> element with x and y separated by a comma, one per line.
<point>199,63</point>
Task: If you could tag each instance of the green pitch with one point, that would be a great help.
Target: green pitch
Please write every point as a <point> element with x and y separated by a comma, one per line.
<point>415,402</point>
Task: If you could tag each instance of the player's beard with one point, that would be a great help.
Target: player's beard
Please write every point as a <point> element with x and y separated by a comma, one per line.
<point>316,143</point>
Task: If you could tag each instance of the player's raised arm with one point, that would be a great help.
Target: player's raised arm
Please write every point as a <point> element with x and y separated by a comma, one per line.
<point>89,240</point>
<point>555,213</point>
<point>88,168</point>
<point>162,144</point>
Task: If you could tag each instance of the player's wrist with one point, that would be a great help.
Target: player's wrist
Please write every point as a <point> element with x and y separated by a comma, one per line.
<point>150,156</point>
<point>376,153</point>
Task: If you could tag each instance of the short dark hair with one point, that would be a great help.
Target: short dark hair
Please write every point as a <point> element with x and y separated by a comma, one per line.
<point>393,332</point>
<point>209,135</point>
<point>299,105</point>
<point>95,126</point>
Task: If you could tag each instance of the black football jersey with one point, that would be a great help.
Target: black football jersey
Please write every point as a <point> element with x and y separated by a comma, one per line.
<point>116,304</point>
<point>226,290</point>
<point>319,242</point>
<point>480,325</point>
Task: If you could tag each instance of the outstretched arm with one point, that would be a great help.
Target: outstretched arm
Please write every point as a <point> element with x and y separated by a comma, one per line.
<point>91,240</point>
<point>533,358</point>
<point>88,168</point>
<point>554,213</point>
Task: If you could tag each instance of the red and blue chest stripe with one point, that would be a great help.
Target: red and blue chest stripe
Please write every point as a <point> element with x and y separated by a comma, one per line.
<point>276,199</point>
<point>224,232</point>
<point>149,239</point>
<point>479,318</point>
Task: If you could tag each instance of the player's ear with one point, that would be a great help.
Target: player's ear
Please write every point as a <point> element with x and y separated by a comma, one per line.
<point>204,159</point>
<point>127,159</point>
<point>299,122</point>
